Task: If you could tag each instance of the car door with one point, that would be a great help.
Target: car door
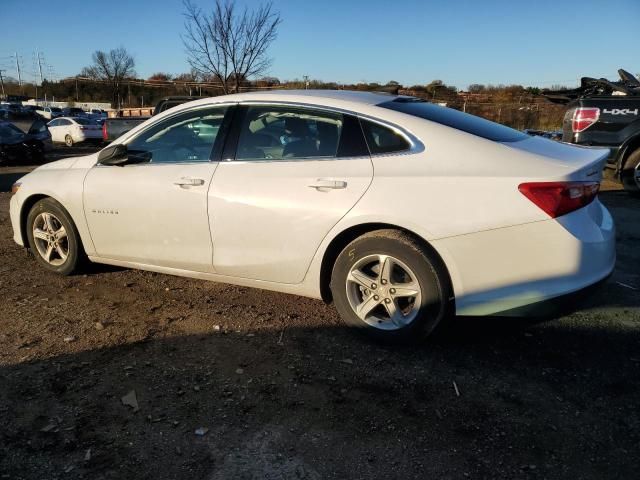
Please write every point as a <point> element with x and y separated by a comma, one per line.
<point>295,173</point>
<point>153,210</point>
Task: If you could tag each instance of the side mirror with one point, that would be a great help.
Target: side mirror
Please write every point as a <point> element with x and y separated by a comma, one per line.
<point>113,155</point>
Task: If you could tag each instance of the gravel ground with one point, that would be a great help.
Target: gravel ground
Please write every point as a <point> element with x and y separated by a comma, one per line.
<point>128,374</point>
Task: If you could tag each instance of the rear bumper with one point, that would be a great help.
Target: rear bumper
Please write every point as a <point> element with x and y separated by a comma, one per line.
<point>89,137</point>
<point>504,269</point>
<point>560,305</point>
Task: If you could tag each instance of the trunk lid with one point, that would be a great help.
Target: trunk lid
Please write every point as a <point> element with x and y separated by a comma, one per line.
<point>579,163</point>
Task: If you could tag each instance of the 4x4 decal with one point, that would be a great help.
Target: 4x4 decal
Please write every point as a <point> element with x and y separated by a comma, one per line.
<point>621,111</point>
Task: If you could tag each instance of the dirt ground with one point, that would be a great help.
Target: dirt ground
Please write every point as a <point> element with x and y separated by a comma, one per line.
<point>236,383</point>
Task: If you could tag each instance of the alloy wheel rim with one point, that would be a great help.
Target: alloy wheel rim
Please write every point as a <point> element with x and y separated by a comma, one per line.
<point>383,292</point>
<point>50,238</point>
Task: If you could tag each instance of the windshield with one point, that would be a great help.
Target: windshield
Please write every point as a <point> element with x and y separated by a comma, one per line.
<point>455,119</point>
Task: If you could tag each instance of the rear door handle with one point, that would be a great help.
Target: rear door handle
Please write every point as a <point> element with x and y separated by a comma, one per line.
<point>322,184</point>
<point>189,182</point>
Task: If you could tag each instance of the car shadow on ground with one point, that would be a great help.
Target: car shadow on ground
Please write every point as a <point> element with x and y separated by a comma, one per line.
<point>492,398</point>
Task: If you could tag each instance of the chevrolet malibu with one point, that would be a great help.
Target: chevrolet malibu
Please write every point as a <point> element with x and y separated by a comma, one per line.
<point>398,211</point>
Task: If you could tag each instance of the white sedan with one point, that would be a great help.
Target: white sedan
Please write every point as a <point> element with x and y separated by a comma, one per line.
<point>399,211</point>
<point>71,130</point>
<point>50,113</point>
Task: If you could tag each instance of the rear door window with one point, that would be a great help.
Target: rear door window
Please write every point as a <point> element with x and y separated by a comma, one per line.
<point>278,132</point>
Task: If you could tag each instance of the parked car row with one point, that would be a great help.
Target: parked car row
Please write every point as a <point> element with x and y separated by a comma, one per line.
<point>26,139</point>
<point>10,110</point>
<point>20,146</point>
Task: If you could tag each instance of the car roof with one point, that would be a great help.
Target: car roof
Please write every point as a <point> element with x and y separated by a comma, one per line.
<point>351,96</point>
<point>345,99</point>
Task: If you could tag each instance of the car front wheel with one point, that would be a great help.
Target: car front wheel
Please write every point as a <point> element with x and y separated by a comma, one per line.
<point>53,237</point>
<point>387,285</point>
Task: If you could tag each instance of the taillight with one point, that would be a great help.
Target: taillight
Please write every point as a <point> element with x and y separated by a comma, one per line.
<point>560,198</point>
<point>583,118</point>
<point>104,131</point>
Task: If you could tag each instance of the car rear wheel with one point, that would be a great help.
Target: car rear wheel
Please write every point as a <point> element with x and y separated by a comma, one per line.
<point>53,237</point>
<point>390,287</point>
<point>68,141</point>
<point>631,173</point>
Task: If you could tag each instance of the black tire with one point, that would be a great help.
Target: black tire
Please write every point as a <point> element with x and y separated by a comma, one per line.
<point>629,173</point>
<point>68,140</point>
<point>75,253</point>
<point>430,273</point>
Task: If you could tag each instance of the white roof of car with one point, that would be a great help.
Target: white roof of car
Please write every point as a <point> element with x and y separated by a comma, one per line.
<point>368,98</point>
<point>346,99</point>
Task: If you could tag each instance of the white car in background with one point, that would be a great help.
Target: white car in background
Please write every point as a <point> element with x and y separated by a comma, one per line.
<point>72,130</point>
<point>399,211</point>
<point>50,112</point>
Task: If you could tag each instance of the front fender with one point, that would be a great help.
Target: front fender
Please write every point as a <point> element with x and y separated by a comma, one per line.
<point>65,187</point>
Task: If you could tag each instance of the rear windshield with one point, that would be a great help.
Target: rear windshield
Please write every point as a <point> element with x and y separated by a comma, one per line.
<point>83,121</point>
<point>9,132</point>
<point>455,119</point>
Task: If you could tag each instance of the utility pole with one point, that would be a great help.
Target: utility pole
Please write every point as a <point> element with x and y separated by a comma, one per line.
<point>77,98</point>
<point>306,81</point>
<point>2,81</point>
<point>18,70</point>
<point>40,70</point>
<point>39,66</point>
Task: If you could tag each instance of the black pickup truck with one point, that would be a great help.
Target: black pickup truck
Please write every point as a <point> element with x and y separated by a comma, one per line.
<point>114,127</point>
<point>606,114</point>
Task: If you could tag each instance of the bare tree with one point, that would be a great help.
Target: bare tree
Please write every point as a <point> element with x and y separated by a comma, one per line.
<point>112,67</point>
<point>227,45</point>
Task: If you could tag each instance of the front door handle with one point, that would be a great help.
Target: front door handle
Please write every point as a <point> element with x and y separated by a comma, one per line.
<point>322,184</point>
<point>189,182</point>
